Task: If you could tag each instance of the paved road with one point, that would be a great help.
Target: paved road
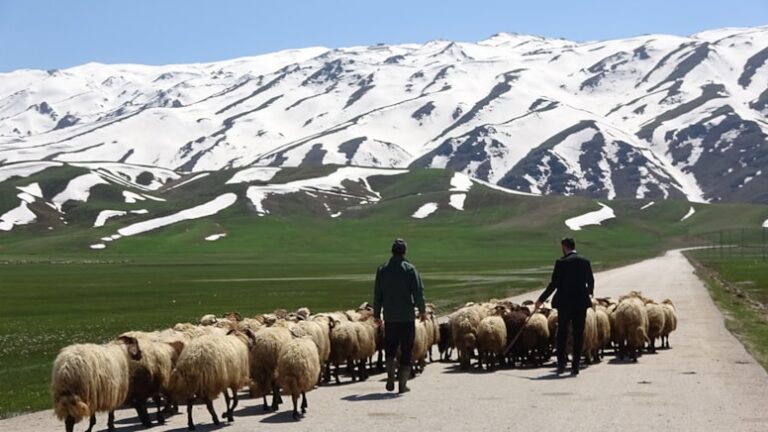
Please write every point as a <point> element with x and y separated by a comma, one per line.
<point>706,382</point>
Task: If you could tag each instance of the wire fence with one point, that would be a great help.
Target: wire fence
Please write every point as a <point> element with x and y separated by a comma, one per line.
<point>744,243</point>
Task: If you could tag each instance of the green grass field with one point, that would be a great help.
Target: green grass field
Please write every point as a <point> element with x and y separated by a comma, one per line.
<point>56,291</point>
<point>739,287</point>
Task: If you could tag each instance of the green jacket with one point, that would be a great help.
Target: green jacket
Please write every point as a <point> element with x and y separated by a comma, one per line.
<point>398,289</point>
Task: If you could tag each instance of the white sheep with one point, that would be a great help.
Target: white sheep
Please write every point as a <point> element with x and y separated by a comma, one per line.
<point>629,326</point>
<point>366,342</point>
<point>535,338</point>
<point>344,347</point>
<point>298,370</point>
<point>464,323</point>
<point>90,378</point>
<point>208,366</point>
<point>656,318</point>
<point>603,329</point>
<point>264,355</point>
<point>670,321</point>
<point>491,341</point>
<point>149,376</point>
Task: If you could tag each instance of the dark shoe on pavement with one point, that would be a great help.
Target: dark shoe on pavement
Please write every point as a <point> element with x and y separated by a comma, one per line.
<point>404,375</point>
<point>391,370</point>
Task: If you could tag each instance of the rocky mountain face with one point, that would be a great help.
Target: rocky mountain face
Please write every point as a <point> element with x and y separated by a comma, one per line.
<point>653,116</point>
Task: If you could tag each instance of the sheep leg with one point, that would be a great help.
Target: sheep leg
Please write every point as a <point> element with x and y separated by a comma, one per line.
<point>226,413</point>
<point>92,423</point>
<point>304,403</point>
<point>351,369</point>
<point>266,405</point>
<point>159,405</point>
<point>327,375</point>
<point>190,422</point>
<point>141,411</point>
<point>235,400</point>
<point>69,424</point>
<point>209,405</point>
<point>110,421</point>
<point>276,399</point>
<point>295,398</point>
<point>336,372</point>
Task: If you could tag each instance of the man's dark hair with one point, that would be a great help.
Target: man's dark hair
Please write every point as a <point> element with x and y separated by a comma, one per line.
<point>568,242</point>
<point>399,247</point>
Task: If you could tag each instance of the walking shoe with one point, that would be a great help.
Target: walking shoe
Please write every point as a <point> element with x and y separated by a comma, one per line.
<point>403,374</point>
<point>391,369</point>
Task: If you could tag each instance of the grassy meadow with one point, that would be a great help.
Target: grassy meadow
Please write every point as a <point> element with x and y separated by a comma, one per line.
<point>56,291</point>
<point>739,286</point>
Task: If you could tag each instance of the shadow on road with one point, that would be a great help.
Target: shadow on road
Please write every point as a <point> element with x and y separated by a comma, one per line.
<point>280,417</point>
<point>370,397</point>
<point>202,427</point>
<point>252,410</point>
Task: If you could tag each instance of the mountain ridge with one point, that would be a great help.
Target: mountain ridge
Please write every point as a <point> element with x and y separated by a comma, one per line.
<point>654,116</point>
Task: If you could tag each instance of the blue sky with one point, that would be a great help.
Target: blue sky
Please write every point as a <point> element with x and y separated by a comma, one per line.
<point>59,33</point>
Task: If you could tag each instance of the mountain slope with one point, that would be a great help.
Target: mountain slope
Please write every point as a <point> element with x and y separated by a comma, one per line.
<point>647,117</point>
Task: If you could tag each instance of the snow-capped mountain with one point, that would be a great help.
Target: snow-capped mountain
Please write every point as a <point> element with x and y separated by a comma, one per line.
<point>655,116</point>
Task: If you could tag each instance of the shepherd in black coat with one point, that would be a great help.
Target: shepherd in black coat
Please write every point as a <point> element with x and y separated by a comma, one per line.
<point>573,284</point>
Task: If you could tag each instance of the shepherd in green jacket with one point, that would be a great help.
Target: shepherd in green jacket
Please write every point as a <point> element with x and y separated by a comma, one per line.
<point>398,290</point>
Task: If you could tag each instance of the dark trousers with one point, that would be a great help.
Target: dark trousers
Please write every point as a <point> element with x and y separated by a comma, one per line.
<point>575,317</point>
<point>399,335</point>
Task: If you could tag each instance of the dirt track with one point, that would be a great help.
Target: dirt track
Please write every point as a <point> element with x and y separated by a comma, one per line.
<point>706,382</point>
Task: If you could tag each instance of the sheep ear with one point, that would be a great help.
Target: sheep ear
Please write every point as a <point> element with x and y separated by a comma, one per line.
<point>231,331</point>
<point>177,346</point>
<point>251,335</point>
<point>133,347</point>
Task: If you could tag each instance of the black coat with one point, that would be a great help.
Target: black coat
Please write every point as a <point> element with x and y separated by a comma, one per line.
<point>573,282</point>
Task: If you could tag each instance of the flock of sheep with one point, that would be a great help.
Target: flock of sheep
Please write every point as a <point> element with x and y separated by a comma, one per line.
<point>500,333</point>
<point>292,353</point>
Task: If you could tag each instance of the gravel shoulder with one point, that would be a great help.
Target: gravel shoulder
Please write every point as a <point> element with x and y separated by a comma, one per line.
<point>706,381</point>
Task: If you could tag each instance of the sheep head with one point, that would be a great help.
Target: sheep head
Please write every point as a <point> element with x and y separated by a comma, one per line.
<point>132,346</point>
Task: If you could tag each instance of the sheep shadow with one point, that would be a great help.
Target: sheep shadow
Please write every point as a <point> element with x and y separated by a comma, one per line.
<point>252,410</point>
<point>202,427</point>
<point>280,417</point>
<point>552,376</point>
<point>456,369</point>
<point>370,397</point>
<point>617,361</point>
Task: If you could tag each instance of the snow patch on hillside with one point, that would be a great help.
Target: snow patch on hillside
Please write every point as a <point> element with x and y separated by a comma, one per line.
<point>424,211</point>
<point>215,237</point>
<point>647,205</point>
<point>190,180</point>
<point>461,183</point>
<point>591,218</point>
<point>204,210</point>
<point>105,215</point>
<point>24,169</point>
<point>20,215</point>
<point>32,189</point>
<point>331,185</point>
<point>690,213</point>
<point>457,201</point>
<point>78,189</point>
<point>255,174</point>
